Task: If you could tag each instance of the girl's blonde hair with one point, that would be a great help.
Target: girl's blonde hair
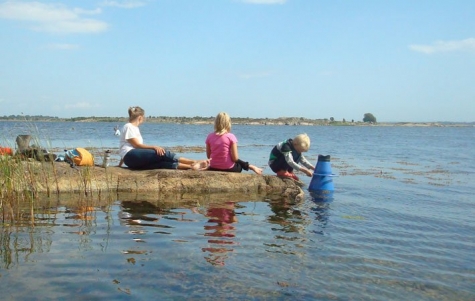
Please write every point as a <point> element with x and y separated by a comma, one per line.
<point>303,141</point>
<point>135,112</point>
<point>222,123</point>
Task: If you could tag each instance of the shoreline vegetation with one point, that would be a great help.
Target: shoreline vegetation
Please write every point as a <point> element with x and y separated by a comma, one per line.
<point>236,120</point>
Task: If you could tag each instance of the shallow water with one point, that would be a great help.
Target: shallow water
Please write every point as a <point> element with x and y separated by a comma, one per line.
<point>400,225</point>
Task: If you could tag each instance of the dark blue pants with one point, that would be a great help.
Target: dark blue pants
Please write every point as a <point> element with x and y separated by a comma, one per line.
<point>139,158</point>
<point>280,164</point>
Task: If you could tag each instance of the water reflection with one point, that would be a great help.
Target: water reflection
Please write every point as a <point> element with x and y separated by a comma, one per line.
<point>286,215</point>
<point>139,214</point>
<point>82,218</point>
<point>290,223</point>
<point>32,230</point>
<point>209,232</point>
<point>321,211</point>
<point>16,246</point>
<point>217,219</point>
<point>221,229</point>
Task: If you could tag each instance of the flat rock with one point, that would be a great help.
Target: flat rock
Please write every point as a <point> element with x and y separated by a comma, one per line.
<point>60,178</point>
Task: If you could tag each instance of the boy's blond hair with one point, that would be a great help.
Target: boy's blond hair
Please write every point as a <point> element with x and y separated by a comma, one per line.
<point>303,141</point>
<point>135,112</point>
<point>222,123</point>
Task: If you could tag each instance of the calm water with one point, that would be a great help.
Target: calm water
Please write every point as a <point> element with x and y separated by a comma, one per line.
<point>400,227</point>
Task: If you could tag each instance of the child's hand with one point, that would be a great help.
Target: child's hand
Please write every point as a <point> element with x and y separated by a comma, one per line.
<point>307,172</point>
<point>159,150</point>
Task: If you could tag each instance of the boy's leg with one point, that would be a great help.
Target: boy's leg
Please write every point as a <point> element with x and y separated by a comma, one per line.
<point>200,165</point>
<point>172,161</point>
<point>287,174</point>
<point>185,163</point>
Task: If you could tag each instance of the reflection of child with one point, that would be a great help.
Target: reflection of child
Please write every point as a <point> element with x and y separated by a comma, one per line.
<point>222,216</point>
<point>221,148</point>
<point>287,156</point>
<point>222,231</point>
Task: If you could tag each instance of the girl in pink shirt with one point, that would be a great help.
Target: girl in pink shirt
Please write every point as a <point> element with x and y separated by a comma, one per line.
<point>221,148</point>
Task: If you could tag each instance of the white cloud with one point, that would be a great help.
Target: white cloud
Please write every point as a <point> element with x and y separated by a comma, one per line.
<point>80,106</point>
<point>62,46</point>
<point>54,18</point>
<point>124,4</point>
<point>446,46</point>
<point>265,1</point>
<point>96,11</point>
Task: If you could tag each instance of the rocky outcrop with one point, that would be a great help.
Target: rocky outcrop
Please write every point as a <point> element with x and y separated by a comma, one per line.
<point>59,178</point>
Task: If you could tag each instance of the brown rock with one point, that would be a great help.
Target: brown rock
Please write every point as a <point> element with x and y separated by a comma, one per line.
<point>60,178</point>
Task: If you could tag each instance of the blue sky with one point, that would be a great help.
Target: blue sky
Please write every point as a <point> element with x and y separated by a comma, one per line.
<point>399,60</point>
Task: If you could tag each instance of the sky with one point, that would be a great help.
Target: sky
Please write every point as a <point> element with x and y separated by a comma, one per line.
<point>400,60</point>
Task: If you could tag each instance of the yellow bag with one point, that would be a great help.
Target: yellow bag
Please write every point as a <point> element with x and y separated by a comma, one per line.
<point>80,157</point>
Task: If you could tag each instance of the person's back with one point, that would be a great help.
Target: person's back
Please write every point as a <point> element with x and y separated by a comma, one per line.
<point>220,147</point>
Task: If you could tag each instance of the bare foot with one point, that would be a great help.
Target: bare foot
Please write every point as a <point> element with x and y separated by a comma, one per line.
<point>256,169</point>
<point>200,165</point>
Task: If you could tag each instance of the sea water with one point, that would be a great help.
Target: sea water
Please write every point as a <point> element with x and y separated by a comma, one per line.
<point>400,225</point>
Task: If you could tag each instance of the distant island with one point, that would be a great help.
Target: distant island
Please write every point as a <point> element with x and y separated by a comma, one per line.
<point>236,120</point>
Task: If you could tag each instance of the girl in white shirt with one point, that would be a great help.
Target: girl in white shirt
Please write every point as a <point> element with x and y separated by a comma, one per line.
<point>137,155</point>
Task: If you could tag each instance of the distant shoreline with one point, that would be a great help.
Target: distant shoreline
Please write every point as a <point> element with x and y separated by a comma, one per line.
<point>285,121</point>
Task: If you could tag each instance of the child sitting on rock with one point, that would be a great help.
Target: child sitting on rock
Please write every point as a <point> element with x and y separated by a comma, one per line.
<point>221,148</point>
<point>287,156</point>
<point>137,155</point>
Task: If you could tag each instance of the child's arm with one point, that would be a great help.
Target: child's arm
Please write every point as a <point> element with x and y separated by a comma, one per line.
<point>305,163</point>
<point>308,165</point>
<point>208,150</point>
<point>290,160</point>
<point>234,152</point>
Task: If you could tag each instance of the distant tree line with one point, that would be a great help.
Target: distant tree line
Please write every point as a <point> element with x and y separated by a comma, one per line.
<point>368,117</point>
<point>29,118</point>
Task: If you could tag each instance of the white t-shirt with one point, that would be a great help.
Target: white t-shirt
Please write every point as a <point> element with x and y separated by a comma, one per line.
<point>129,131</point>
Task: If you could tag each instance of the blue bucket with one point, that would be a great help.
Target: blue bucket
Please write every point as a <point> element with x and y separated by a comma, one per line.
<point>322,179</point>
